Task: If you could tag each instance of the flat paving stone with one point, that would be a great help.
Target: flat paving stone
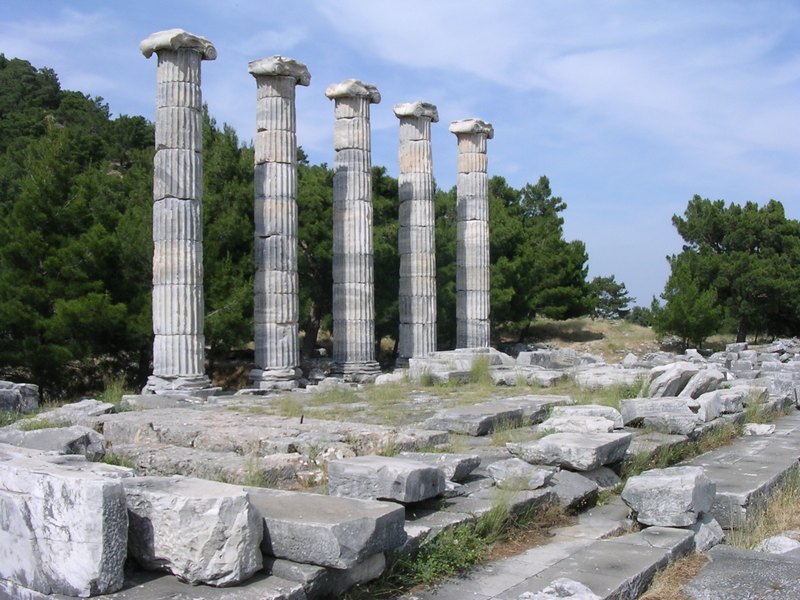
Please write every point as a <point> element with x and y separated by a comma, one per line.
<point>749,468</point>
<point>326,530</point>
<point>575,451</point>
<point>476,419</point>
<point>735,574</point>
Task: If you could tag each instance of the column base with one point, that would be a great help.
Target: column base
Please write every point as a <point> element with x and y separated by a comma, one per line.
<point>357,372</point>
<point>178,385</point>
<point>273,379</point>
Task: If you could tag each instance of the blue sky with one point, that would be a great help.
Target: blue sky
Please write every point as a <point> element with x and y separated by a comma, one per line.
<point>630,108</point>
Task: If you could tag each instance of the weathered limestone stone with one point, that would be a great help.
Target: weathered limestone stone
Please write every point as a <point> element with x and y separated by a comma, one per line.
<point>759,429</point>
<point>707,406</point>
<point>562,588</point>
<point>353,270</point>
<point>574,451</point>
<point>64,524</point>
<point>574,490</point>
<point>671,379</point>
<point>64,440</point>
<point>778,544</point>
<point>668,415</point>
<point>707,533</point>
<point>472,234</point>
<point>577,424</point>
<point>605,478</point>
<point>671,497</point>
<point>276,306</point>
<point>327,530</point>
<point>595,377</point>
<point>178,346</point>
<point>594,410</point>
<point>456,467</point>
<point>476,419</point>
<point>18,397</point>
<point>706,380</point>
<point>384,478</point>
<point>322,582</point>
<point>200,531</point>
<point>416,236</point>
<point>515,473</point>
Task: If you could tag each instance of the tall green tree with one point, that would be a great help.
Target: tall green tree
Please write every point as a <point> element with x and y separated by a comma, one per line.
<point>750,257</point>
<point>611,298</point>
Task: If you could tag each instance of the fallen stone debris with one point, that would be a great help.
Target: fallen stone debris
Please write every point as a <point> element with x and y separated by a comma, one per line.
<point>182,506</point>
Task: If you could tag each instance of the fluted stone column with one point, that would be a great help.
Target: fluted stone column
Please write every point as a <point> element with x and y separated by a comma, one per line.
<point>178,310</point>
<point>472,234</point>
<point>353,272</point>
<point>277,356</point>
<point>416,236</point>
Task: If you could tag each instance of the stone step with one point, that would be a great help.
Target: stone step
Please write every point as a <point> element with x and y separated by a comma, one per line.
<point>736,574</point>
<point>243,431</point>
<point>326,530</point>
<point>574,451</point>
<point>385,478</point>
<point>482,419</point>
<point>748,469</point>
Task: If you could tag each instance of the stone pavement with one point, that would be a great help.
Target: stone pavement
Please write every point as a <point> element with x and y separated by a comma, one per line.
<point>622,567</point>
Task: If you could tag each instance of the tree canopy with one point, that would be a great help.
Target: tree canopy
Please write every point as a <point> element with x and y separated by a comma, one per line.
<point>740,266</point>
<point>76,260</point>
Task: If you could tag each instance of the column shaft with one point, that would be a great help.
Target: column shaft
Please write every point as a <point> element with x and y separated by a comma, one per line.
<point>178,309</point>
<point>353,276</point>
<point>276,304</point>
<point>472,234</point>
<point>416,235</point>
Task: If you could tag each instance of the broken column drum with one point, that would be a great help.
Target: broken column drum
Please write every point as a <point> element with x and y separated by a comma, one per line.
<point>472,234</point>
<point>353,271</point>
<point>178,308</point>
<point>276,305</point>
<point>416,236</point>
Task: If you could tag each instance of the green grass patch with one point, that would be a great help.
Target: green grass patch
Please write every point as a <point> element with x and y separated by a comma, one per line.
<point>481,370</point>
<point>118,461</point>
<point>290,407</point>
<point>34,423</point>
<point>113,390</point>
<point>7,417</point>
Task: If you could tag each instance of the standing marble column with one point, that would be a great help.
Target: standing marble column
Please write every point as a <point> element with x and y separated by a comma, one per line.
<point>353,272</point>
<point>178,310</point>
<point>472,234</point>
<point>416,236</point>
<point>277,355</point>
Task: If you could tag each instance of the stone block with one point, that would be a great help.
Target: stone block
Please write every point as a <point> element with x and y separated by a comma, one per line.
<point>605,478</point>
<point>668,415</point>
<point>671,497</point>
<point>594,410</point>
<point>64,524</point>
<point>562,588</point>
<point>778,544</point>
<point>384,478</point>
<point>707,407</point>
<point>671,379</point>
<point>731,400</point>
<point>574,490</point>
<point>577,424</point>
<point>477,419</point>
<point>706,380</point>
<point>64,440</point>
<point>326,530</point>
<point>456,467</point>
<point>573,450</point>
<point>514,473</point>
<point>200,531</point>
<point>707,533</point>
<point>18,397</point>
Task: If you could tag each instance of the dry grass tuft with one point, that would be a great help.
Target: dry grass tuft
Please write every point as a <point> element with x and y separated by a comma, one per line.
<point>669,582</point>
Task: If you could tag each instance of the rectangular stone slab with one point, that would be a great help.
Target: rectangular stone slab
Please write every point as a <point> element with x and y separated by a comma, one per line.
<point>477,419</point>
<point>749,468</point>
<point>64,523</point>
<point>575,451</point>
<point>326,530</point>
<point>384,478</point>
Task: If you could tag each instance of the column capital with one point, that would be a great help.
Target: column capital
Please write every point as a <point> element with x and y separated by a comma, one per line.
<point>280,66</point>
<point>472,126</point>
<point>177,39</point>
<point>417,109</point>
<point>350,88</point>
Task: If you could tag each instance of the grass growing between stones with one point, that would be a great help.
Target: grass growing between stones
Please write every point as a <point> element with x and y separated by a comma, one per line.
<point>497,534</point>
<point>7,417</point>
<point>610,396</point>
<point>669,582</point>
<point>32,424</point>
<point>113,390</point>
<point>118,461</point>
<point>779,514</point>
